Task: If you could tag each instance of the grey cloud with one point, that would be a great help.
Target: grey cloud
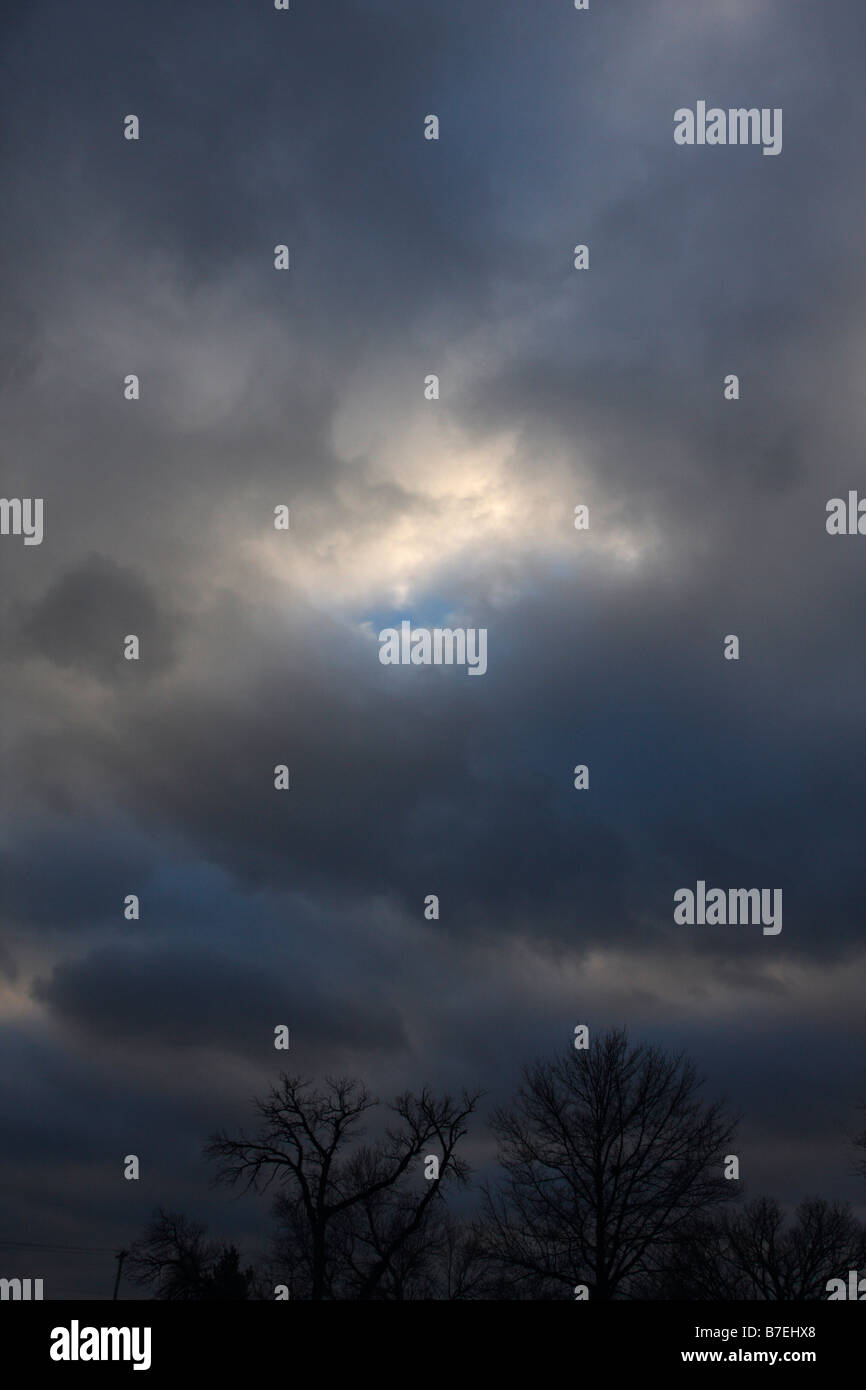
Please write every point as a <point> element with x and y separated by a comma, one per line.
<point>85,616</point>
<point>410,257</point>
<point>184,997</point>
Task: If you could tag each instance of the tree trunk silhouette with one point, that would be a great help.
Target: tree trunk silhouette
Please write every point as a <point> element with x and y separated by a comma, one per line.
<point>607,1154</point>
<point>347,1208</point>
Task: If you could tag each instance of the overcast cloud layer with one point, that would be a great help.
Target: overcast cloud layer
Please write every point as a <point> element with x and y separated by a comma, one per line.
<point>259,647</point>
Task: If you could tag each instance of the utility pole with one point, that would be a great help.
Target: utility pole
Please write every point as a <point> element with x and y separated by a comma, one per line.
<point>120,1257</point>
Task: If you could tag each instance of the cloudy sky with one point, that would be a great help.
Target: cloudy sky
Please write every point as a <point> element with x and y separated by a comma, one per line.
<point>259,647</point>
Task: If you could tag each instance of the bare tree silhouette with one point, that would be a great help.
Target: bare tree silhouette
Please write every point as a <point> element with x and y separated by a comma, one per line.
<point>351,1213</point>
<point>176,1261</point>
<point>459,1267</point>
<point>611,1176</point>
<point>441,1259</point>
<point>608,1153</point>
<point>756,1253</point>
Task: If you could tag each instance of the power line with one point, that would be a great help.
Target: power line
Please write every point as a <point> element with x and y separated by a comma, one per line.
<point>72,1249</point>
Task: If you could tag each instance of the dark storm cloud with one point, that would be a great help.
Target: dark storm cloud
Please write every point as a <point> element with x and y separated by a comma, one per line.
<point>67,1120</point>
<point>192,997</point>
<point>86,615</point>
<point>699,779</point>
<point>66,872</point>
